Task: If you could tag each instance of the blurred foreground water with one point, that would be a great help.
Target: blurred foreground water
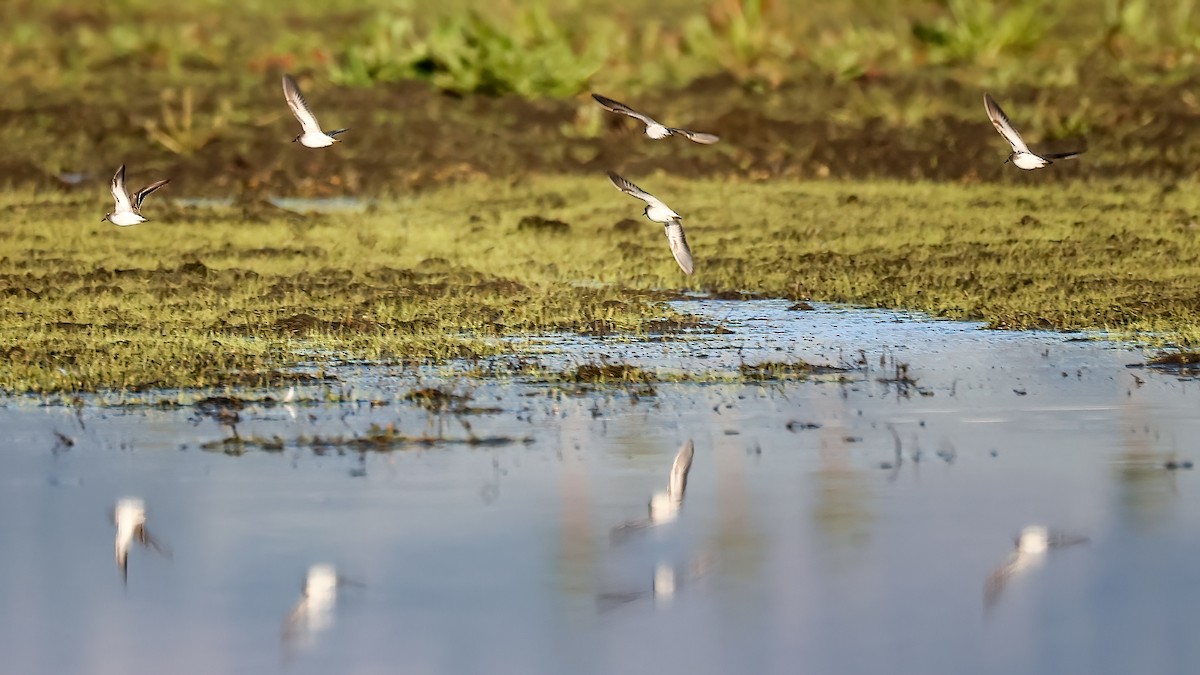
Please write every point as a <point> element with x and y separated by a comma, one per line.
<point>848,523</point>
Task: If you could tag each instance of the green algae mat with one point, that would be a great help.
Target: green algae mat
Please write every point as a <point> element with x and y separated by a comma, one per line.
<point>207,296</point>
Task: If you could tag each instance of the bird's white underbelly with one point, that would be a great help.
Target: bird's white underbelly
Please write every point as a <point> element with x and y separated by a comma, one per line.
<point>657,131</point>
<point>125,219</point>
<point>316,141</point>
<point>661,214</point>
<point>1027,161</point>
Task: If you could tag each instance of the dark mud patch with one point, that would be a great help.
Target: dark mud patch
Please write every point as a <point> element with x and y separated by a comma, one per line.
<point>1181,364</point>
<point>652,328</point>
<point>607,373</point>
<point>303,324</point>
<point>736,295</point>
<point>276,378</point>
<point>439,400</point>
<point>784,370</point>
<point>813,127</point>
<point>627,226</point>
<point>542,225</point>
<point>377,438</point>
<point>214,404</point>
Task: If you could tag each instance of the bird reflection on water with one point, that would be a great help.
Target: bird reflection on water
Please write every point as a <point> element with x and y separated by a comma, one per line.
<point>1032,545</point>
<point>664,505</point>
<point>313,613</point>
<point>130,518</point>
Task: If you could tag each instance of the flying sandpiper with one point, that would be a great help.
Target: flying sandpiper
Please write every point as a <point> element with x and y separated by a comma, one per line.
<point>1021,157</point>
<point>660,213</point>
<point>654,129</point>
<point>311,136</point>
<point>129,211</point>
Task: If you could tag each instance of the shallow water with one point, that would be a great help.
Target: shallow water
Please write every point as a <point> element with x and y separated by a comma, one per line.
<point>796,549</point>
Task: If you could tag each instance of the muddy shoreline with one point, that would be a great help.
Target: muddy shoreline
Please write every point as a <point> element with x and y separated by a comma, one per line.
<point>409,136</point>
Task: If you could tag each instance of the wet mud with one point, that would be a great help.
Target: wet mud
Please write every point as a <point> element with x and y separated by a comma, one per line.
<point>406,136</point>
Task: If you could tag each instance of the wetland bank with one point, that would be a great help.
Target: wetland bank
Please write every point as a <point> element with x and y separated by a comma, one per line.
<point>855,166</point>
<point>448,366</point>
<point>226,295</point>
<point>852,519</point>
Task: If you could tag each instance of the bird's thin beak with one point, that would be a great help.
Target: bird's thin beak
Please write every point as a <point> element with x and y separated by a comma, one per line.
<point>1006,159</point>
<point>104,219</point>
<point>296,138</point>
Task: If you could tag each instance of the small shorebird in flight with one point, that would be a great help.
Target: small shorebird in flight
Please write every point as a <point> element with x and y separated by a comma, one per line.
<point>665,505</point>
<point>128,211</point>
<point>660,213</point>
<point>1032,545</point>
<point>130,518</point>
<point>653,128</point>
<point>1020,156</point>
<point>311,136</point>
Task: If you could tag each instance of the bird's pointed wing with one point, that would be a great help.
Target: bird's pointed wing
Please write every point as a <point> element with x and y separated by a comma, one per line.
<point>622,532</point>
<point>997,580</point>
<point>610,600</point>
<point>1005,127</point>
<point>118,191</point>
<point>350,583</point>
<point>1060,539</point>
<point>143,536</point>
<point>633,190</point>
<point>696,136</point>
<point>122,555</point>
<point>299,106</point>
<point>1061,155</point>
<point>295,627</point>
<point>141,194</point>
<point>618,107</point>
<point>679,246</point>
<point>683,463</point>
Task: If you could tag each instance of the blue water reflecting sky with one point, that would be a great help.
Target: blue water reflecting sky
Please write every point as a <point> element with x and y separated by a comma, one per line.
<point>795,550</point>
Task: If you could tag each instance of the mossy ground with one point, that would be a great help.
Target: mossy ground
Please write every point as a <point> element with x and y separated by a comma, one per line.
<point>459,114</point>
<point>199,297</point>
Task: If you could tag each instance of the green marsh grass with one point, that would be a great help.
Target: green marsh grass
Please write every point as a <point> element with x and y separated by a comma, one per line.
<point>203,298</point>
<point>544,49</point>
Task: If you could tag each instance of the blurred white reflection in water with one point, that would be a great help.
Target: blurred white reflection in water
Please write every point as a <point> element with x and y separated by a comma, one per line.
<point>130,519</point>
<point>1032,546</point>
<point>313,614</point>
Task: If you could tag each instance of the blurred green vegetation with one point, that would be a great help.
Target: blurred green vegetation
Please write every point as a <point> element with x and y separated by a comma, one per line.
<point>436,92</point>
<point>545,49</point>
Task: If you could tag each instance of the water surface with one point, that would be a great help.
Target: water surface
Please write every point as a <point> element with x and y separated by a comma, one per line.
<point>803,544</point>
